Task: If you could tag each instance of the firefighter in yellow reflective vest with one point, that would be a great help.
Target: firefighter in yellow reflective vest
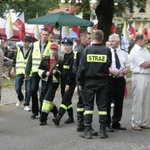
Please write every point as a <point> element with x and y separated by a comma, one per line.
<point>39,51</point>
<point>93,77</point>
<point>19,65</point>
<point>68,84</point>
<point>50,74</point>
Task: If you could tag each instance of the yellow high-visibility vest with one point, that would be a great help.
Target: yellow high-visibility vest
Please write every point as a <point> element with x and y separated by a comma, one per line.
<point>36,55</point>
<point>20,62</point>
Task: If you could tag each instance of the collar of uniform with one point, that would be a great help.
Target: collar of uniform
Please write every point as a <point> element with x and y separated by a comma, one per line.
<point>138,47</point>
<point>83,44</point>
<point>117,50</point>
<point>40,42</point>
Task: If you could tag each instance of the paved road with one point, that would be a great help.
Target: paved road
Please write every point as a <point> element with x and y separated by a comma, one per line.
<point>19,132</point>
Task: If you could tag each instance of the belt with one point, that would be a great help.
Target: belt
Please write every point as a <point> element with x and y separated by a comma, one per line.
<point>116,77</point>
<point>141,73</point>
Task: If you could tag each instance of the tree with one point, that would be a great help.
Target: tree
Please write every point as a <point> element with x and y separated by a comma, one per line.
<point>30,8</point>
<point>106,10</point>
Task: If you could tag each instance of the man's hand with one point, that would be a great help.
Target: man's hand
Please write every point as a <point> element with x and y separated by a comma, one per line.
<point>47,73</point>
<point>116,73</point>
<point>26,77</point>
<point>54,71</point>
<point>125,71</point>
<point>12,71</point>
<point>66,88</point>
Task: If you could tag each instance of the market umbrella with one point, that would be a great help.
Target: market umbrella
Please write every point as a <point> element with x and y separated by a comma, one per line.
<point>60,19</point>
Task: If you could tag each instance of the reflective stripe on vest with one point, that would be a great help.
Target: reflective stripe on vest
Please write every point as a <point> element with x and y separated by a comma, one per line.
<point>75,55</point>
<point>66,66</point>
<point>20,62</point>
<point>96,58</point>
<point>36,55</point>
<point>54,78</point>
<point>47,106</point>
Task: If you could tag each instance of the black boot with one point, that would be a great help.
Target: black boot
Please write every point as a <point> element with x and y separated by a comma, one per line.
<point>70,119</point>
<point>87,132</point>
<point>60,114</point>
<point>43,118</point>
<point>54,110</point>
<point>80,122</point>
<point>94,133</point>
<point>103,133</point>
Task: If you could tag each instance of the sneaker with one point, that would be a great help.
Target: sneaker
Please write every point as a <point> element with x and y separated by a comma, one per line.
<point>27,108</point>
<point>18,103</point>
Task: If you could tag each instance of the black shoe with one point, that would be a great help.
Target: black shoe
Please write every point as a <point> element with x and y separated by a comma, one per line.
<point>43,123</point>
<point>69,120</point>
<point>120,127</point>
<point>56,121</point>
<point>103,135</point>
<point>33,116</point>
<point>94,133</point>
<point>80,127</point>
<point>86,135</point>
<point>109,129</point>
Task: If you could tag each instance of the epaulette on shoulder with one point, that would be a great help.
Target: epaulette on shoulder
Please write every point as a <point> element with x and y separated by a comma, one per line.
<point>124,50</point>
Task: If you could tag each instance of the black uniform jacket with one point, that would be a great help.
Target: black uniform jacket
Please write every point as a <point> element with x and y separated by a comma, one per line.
<point>45,65</point>
<point>79,51</point>
<point>66,69</point>
<point>95,63</point>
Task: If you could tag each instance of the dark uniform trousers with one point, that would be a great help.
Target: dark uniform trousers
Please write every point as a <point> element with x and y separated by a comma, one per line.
<point>67,96</point>
<point>80,103</point>
<point>116,93</point>
<point>34,90</point>
<point>98,88</point>
<point>48,92</point>
<point>80,107</point>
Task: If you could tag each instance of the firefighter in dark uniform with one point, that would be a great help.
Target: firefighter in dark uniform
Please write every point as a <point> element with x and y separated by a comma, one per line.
<point>85,41</point>
<point>50,74</point>
<point>68,84</point>
<point>93,76</point>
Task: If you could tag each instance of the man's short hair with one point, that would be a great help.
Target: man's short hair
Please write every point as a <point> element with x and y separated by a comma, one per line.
<point>98,35</point>
<point>45,29</point>
<point>51,32</point>
<point>114,36</point>
<point>139,37</point>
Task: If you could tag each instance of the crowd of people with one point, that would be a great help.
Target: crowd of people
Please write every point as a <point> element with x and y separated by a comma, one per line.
<point>97,70</point>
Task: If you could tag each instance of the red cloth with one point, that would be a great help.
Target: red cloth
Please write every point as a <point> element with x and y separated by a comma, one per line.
<point>51,64</point>
<point>19,23</point>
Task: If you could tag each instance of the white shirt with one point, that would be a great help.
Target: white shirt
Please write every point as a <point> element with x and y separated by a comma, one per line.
<point>123,59</point>
<point>138,56</point>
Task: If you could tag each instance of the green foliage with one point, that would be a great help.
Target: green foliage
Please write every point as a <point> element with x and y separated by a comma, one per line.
<point>7,82</point>
<point>30,7</point>
<point>121,6</point>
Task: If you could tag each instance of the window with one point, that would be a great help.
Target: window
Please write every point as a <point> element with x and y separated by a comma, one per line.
<point>142,10</point>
